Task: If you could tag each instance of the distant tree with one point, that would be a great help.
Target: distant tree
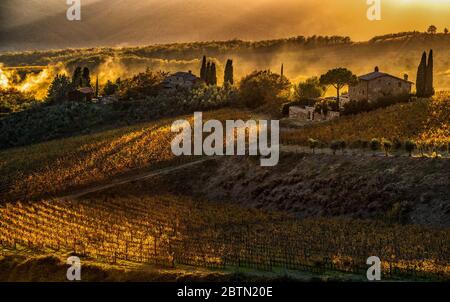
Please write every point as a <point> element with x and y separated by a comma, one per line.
<point>213,75</point>
<point>387,146</point>
<point>77,80</point>
<point>110,88</point>
<point>59,89</point>
<point>208,73</point>
<point>429,87</point>
<point>229,72</point>
<point>313,144</point>
<point>446,30</point>
<point>86,78</point>
<point>263,88</point>
<point>432,29</point>
<point>410,146</point>
<point>203,69</point>
<point>282,70</point>
<point>421,81</point>
<point>142,85</point>
<point>96,87</point>
<point>310,89</point>
<point>338,78</point>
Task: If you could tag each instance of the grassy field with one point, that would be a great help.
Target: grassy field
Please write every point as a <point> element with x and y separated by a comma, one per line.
<point>426,122</point>
<point>62,165</point>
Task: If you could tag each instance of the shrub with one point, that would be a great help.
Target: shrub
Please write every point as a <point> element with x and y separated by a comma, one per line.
<point>313,144</point>
<point>375,144</point>
<point>310,89</point>
<point>387,146</point>
<point>397,144</point>
<point>410,146</point>
<point>355,107</point>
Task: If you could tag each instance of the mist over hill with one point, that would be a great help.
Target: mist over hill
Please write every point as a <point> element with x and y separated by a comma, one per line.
<point>43,25</point>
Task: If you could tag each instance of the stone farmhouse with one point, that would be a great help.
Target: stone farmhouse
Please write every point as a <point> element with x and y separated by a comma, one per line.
<point>308,114</point>
<point>181,80</point>
<point>83,94</point>
<point>376,85</point>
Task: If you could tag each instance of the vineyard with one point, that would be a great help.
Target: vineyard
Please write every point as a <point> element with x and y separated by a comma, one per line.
<point>171,230</point>
<point>58,166</point>
<point>426,122</point>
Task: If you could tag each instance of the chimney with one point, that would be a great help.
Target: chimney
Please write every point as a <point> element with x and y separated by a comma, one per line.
<point>405,76</point>
<point>190,71</point>
<point>377,69</point>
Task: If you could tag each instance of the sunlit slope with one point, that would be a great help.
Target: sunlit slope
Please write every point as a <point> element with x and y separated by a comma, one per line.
<point>426,122</point>
<point>61,165</point>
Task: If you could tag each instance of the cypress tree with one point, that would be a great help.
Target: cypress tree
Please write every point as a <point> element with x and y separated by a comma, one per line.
<point>208,74</point>
<point>282,71</point>
<point>429,87</point>
<point>96,87</point>
<point>421,76</point>
<point>203,69</point>
<point>229,77</point>
<point>213,80</point>
<point>77,78</point>
<point>86,78</point>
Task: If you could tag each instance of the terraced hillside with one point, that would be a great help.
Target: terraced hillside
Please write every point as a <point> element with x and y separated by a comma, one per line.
<point>63,165</point>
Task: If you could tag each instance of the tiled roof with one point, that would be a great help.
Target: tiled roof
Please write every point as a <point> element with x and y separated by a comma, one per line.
<point>86,90</point>
<point>375,75</point>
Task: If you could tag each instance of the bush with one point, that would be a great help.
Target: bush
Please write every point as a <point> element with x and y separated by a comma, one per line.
<point>142,85</point>
<point>313,144</point>
<point>397,144</point>
<point>355,107</point>
<point>375,145</point>
<point>410,146</point>
<point>12,100</point>
<point>42,123</point>
<point>310,89</point>
<point>387,146</point>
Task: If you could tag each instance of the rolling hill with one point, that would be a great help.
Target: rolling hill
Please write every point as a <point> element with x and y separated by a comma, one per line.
<point>132,22</point>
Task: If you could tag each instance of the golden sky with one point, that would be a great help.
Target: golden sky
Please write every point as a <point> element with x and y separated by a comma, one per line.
<point>163,21</point>
<point>396,16</point>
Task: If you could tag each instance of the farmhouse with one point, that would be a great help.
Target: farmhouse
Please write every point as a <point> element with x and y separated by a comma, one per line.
<point>309,114</point>
<point>84,94</point>
<point>376,85</point>
<point>181,80</point>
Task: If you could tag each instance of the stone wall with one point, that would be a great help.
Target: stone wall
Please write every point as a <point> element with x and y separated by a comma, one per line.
<point>378,88</point>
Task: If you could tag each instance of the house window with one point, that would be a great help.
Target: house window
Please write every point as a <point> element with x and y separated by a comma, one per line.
<point>400,84</point>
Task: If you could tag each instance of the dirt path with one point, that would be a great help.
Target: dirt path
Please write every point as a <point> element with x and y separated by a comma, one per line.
<point>128,179</point>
